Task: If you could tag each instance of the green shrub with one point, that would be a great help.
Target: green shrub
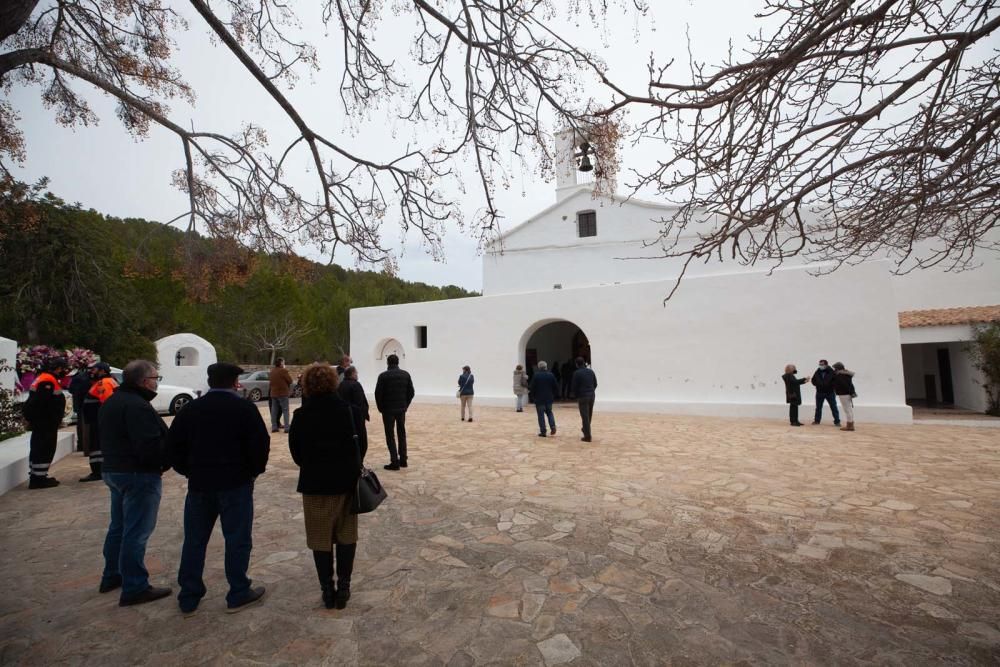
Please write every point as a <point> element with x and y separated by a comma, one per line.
<point>985,352</point>
<point>11,422</point>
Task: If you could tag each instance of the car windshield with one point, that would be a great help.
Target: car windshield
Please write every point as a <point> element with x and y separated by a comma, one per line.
<point>246,376</point>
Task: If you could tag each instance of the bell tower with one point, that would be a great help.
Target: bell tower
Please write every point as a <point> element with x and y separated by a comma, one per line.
<point>574,163</point>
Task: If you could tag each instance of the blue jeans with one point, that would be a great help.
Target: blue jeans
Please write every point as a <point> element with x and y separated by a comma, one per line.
<point>201,508</point>
<point>279,406</point>
<point>135,501</point>
<point>830,398</point>
<point>545,410</point>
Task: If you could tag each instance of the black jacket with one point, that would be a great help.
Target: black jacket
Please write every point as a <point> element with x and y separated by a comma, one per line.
<point>393,390</point>
<point>218,442</point>
<point>321,439</point>
<point>793,388</point>
<point>823,381</point>
<point>584,383</point>
<point>843,384</point>
<point>133,436</point>
<point>352,392</point>
<point>544,387</point>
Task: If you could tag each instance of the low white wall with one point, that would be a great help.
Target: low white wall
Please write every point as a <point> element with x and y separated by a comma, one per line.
<point>14,458</point>
<point>8,354</point>
<point>718,347</point>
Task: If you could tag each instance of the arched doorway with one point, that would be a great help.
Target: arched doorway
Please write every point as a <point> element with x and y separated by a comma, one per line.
<point>558,343</point>
<point>186,356</point>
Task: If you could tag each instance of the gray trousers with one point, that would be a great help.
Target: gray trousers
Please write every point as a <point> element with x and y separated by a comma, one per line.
<point>279,406</point>
<point>586,414</point>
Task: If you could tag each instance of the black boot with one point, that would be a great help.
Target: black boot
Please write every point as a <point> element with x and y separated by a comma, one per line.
<point>324,570</point>
<point>345,566</point>
<point>95,473</point>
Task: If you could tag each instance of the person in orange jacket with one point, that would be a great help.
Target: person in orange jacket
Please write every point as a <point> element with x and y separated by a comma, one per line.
<point>101,389</point>
<point>44,411</point>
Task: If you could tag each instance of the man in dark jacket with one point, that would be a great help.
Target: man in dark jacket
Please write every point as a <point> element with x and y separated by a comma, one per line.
<point>545,388</point>
<point>584,386</point>
<point>132,439</point>
<point>822,379</point>
<point>221,444</point>
<point>393,394</point>
<point>351,391</point>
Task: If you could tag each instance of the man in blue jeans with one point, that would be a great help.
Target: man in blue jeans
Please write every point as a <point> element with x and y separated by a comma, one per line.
<point>220,443</point>
<point>545,388</point>
<point>132,440</point>
<point>822,379</point>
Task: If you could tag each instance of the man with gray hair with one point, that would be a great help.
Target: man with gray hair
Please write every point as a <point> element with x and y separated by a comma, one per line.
<point>545,388</point>
<point>132,441</point>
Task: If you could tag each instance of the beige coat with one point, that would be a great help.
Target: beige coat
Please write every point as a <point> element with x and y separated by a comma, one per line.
<point>520,383</point>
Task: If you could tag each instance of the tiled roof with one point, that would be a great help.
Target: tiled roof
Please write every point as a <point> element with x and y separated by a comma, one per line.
<point>940,317</point>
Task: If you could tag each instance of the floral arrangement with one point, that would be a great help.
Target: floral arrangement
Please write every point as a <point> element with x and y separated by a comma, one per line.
<point>32,358</point>
<point>80,358</point>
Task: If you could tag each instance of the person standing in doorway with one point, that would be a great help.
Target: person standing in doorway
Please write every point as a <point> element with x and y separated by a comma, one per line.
<point>280,385</point>
<point>220,443</point>
<point>393,394</point>
<point>466,391</point>
<point>793,393</point>
<point>520,387</point>
<point>584,386</point>
<point>822,379</point>
<point>545,389</point>
<point>565,382</point>
<point>44,411</point>
<point>843,386</point>
<point>132,440</point>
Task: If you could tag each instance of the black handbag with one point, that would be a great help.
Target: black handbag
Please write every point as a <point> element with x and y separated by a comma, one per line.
<point>369,493</point>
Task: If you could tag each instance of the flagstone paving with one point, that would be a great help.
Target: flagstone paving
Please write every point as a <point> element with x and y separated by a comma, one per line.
<point>668,540</point>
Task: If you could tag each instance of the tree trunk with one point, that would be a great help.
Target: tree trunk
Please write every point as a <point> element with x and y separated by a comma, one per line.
<point>274,353</point>
<point>13,14</point>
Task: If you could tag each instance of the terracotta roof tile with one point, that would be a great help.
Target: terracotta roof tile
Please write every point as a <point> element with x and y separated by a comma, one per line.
<point>940,317</point>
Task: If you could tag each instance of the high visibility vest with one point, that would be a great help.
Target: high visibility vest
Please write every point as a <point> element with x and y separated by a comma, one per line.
<point>47,377</point>
<point>103,388</point>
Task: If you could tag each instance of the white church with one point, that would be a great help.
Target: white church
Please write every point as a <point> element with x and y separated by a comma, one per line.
<point>558,286</point>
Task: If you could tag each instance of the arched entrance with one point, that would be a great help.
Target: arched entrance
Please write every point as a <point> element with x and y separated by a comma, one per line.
<point>387,347</point>
<point>557,342</point>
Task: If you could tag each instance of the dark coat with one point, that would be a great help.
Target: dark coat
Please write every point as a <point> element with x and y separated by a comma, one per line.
<point>321,439</point>
<point>352,392</point>
<point>793,388</point>
<point>544,386</point>
<point>465,384</point>
<point>133,437</point>
<point>46,406</point>
<point>219,442</point>
<point>393,391</point>
<point>823,381</point>
<point>584,383</point>
<point>843,384</point>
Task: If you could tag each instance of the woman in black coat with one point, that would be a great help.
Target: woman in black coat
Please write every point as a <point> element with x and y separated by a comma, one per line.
<point>324,445</point>
<point>793,393</point>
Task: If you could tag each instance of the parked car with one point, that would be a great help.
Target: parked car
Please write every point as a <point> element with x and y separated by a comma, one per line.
<point>255,385</point>
<point>170,399</point>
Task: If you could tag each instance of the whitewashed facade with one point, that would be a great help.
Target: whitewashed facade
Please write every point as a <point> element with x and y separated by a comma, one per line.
<point>718,347</point>
<point>184,359</point>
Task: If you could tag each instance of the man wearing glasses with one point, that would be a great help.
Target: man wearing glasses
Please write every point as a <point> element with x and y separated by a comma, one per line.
<point>133,443</point>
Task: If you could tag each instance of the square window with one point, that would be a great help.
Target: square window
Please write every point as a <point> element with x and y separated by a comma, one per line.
<point>586,224</point>
<point>421,337</point>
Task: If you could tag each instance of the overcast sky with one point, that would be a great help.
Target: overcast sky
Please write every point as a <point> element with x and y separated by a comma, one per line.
<point>104,168</point>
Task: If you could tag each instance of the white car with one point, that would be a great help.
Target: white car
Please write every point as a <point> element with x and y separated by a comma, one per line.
<point>170,399</point>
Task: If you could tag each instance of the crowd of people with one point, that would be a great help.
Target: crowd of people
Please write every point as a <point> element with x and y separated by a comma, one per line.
<point>221,444</point>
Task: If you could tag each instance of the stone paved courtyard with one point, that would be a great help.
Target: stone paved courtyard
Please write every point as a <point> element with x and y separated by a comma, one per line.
<point>669,540</point>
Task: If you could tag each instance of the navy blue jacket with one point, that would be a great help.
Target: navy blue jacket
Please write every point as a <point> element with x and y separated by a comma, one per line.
<point>584,382</point>
<point>132,434</point>
<point>465,382</point>
<point>544,386</point>
<point>218,442</point>
<point>823,380</point>
<point>393,391</point>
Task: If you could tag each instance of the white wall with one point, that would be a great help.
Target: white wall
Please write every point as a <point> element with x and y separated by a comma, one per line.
<point>8,352</point>
<point>187,374</point>
<point>717,348</point>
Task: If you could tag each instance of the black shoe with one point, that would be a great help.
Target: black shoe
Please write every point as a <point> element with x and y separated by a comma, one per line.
<point>836,423</point>
<point>254,596</point>
<point>815,423</point>
<point>470,419</point>
<point>391,466</point>
<point>796,424</point>
<point>111,584</point>
<point>541,435</point>
<point>519,411</point>
<point>343,595</point>
<point>92,477</point>
<point>274,430</point>
<point>402,463</point>
<point>329,596</point>
<point>188,612</point>
<point>585,439</point>
<point>552,432</point>
<point>148,595</point>
<point>37,482</point>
